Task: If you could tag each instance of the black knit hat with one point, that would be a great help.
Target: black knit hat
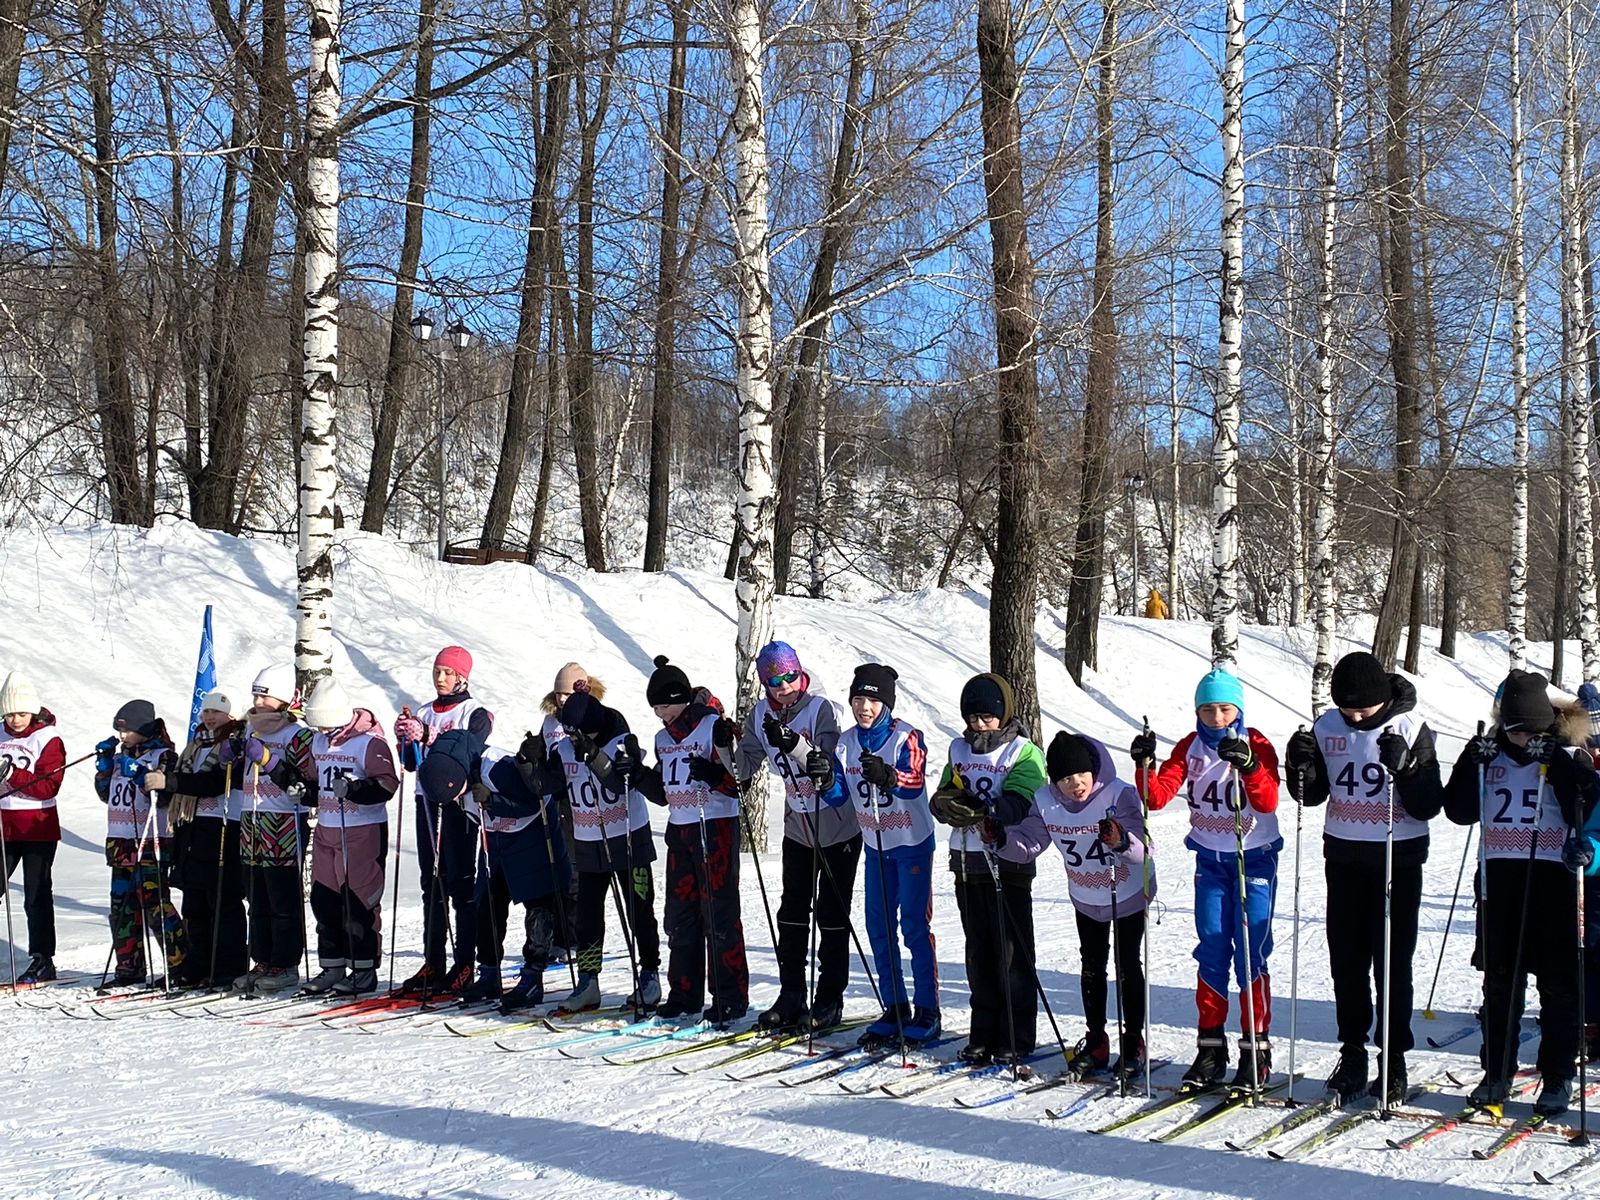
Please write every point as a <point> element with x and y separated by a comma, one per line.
<point>441,777</point>
<point>1070,754</point>
<point>137,716</point>
<point>988,693</point>
<point>668,684</point>
<point>1525,703</point>
<point>876,682</point>
<point>1359,681</point>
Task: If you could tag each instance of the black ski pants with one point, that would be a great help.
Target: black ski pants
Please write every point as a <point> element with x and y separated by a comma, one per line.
<point>1355,950</point>
<point>832,872</point>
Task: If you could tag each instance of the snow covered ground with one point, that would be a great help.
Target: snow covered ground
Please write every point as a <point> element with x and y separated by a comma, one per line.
<point>158,1105</point>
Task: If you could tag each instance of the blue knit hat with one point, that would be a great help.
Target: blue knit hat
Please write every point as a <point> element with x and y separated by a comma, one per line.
<point>774,659</point>
<point>1219,687</point>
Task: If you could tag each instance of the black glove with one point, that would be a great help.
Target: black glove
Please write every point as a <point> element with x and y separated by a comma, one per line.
<point>532,750</point>
<point>820,769</point>
<point>779,736</point>
<point>1577,853</point>
<point>1143,749</point>
<point>286,777</point>
<point>1483,749</point>
<point>703,770</point>
<point>877,772</point>
<point>955,807</point>
<point>1112,835</point>
<point>992,831</point>
<point>1541,748</point>
<point>583,746</point>
<point>1236,752</point>
<point>1300,754</point>
<point>724,733</point>
<point>1395,754</point>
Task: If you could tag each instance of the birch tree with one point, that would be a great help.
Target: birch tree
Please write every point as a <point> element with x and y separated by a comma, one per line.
<point>753,589</point>
<point>1230,362</point>
<point>1324,450</point>
<point>313,646</point>
<point>1576,350</point>
<point>1517,569</point>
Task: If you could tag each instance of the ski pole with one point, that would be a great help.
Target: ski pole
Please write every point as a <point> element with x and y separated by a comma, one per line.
<point>163,894</point>
<point>394,904</point>
<point>1583,1057</point>
<point>1149,845</point>
<point>1004,946</point>
<point>222,851</point>
<point>1116,967</point>
<point>1508,1056</point>
<point>1385,1015</point>
<point>844,907</point>
<point>615,888</point>
<point>1461,873</point>
<point>545,805</point>
<point>54,771</point>
<point>1294,940</point>
<point>731,758</point>
<point>816,857</point>
<point>706,909</point>
<point>1237,801</point>
<point>888,925</point>
<point>344,891</point>
<point>138,876</point>
<point>5,860</point>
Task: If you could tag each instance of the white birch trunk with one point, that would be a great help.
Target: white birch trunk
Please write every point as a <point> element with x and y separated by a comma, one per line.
<point>1324,596</point>
<point>1577,348</point>
<point>1297,453</point>
<point>754,584</point>
<point>313,649</point>
<point>1517,581</point>
<point>1230,383</point>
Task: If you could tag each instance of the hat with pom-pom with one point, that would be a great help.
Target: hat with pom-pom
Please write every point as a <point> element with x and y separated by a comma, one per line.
<point>668,684</point>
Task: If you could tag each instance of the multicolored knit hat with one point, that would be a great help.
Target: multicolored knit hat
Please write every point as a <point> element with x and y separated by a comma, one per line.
<point>776,659</point>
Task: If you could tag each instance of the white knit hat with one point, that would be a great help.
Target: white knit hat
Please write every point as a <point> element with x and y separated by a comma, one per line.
<point>18,695</point>
<point>277,682</point>
<point>329,706</point>
<point>218,702</point>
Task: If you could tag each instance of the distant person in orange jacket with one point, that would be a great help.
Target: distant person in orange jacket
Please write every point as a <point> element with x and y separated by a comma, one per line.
<point>1155,608</point>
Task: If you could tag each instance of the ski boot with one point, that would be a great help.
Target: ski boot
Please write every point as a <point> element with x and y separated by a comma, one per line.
<point>787,1012</point>
<point>825,1014</point>
<point>324,981</point>
<point>1398,1083</point>
<point>1259,1053</point>
<point>426,982</point>
<point>585,996</point>
<point>1491,1094</point>
<point>1091,1055</point>
<point>485,987</point>
<point>677,1006</point>
<point>1554,1098</point>
<point>886,1029</point>
<point>725,1012</point>
<point>975,1054</point>
<point>278,979</point>
<point>648,994</point>
<point>1210,1062</point>
<point>1349,1078</point>
<point>1129,1067</point>
<point>526,992</point>
<point>40,969</point>
<point>362,981</point>
<point>923,1027</point>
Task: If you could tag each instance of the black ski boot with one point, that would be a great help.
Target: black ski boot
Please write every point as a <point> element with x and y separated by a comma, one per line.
<point>1398,1083</point>
<point>787,1012</point>
<point>1210,1063</point>
<point>825,1014</point>
<point>1258,1052</point>
<point>1554,1098</point>
<point>1129,1068</point>
<point>1090,1056</point>
<point>1349,1078</point>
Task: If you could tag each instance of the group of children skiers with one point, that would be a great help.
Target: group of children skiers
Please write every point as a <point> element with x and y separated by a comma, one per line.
<point>561,825</point>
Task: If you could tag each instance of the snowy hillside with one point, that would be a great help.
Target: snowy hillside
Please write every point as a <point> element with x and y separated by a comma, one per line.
<point>163,1106</point>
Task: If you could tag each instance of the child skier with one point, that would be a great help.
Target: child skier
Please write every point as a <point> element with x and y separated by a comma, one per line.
<point>356,776</point>
<point>1370,747</point>
<point>280,778</point>
<point>137,841</point>
<point>446,848</point>
<point>1230,776</point>
<point>1537,789</point>
<point>990,780</point>
<point>793,728</point>
<point>1097,823</point>
<point>704,930</point>
<point>884,760</point>
<point>511,802</point>
<point>207,802</point>
<point>611,832</point>
<point>32,760</point>
<point>569,679</point>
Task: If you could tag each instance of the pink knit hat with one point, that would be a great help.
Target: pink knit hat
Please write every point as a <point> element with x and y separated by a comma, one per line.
<point>456,659</point>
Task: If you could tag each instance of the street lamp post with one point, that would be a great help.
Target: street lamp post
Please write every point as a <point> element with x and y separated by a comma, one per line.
<point>460,337</point>
<point>1132,483</point>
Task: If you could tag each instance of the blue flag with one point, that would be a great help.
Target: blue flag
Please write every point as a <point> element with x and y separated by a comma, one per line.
<point>205,674</point>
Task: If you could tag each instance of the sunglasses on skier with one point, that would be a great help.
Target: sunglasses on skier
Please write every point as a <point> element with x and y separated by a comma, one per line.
<point>773,681</point>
